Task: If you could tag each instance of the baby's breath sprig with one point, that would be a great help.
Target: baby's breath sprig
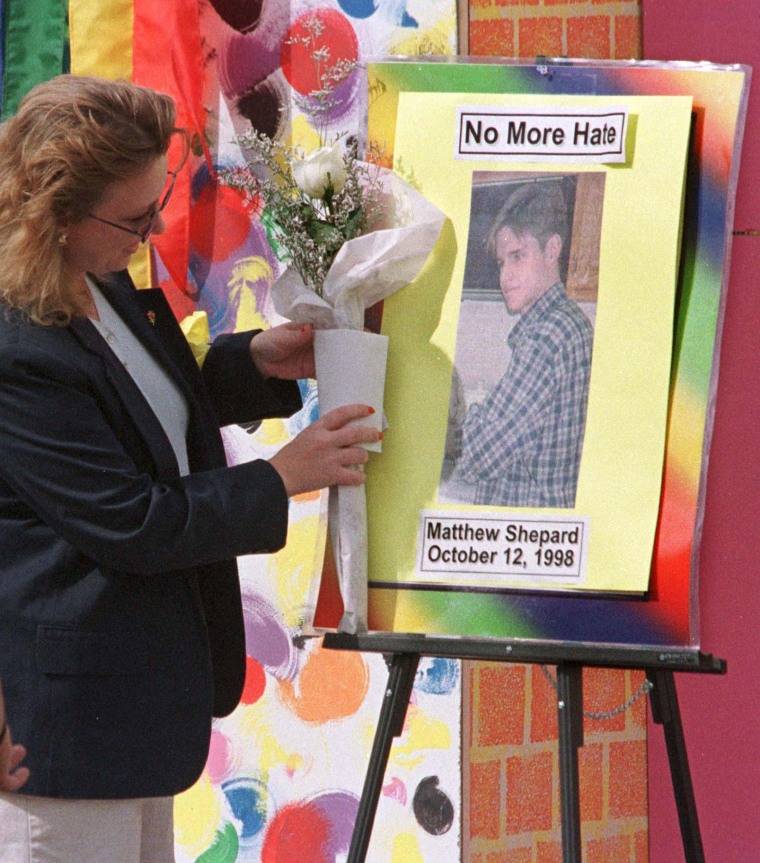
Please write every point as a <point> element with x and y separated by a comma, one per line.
<point>330,75</point>
<point>311,204</point>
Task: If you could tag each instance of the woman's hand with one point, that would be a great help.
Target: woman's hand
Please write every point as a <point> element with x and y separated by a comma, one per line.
<point>12,777</point>
<point>327,452</point>
<point>285,351</point>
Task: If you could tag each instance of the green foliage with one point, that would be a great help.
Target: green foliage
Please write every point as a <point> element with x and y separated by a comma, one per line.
<point>306,232</point>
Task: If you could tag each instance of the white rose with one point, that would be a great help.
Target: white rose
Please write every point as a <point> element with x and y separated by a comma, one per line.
<point>320,169</point>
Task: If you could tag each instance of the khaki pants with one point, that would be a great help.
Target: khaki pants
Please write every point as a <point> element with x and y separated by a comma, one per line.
<point>48,830</point>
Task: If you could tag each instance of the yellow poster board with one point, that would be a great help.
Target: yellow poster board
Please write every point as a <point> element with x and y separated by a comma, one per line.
<point>449,342</point>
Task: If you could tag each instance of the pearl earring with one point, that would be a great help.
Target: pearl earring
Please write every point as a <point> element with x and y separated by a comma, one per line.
<point>63,240</point>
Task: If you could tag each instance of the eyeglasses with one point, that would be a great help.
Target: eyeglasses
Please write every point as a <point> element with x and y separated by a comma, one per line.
<point>153,218</point>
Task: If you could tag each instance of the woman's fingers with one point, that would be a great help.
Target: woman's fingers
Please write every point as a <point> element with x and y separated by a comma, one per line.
<point>328,452</point>
<point>342,423</point>
<point>351,476</point>
<point>285,351</point>
<point>352,455</point>
<point>352,436</point>
<point>14,776</point>
<point>338,417</point>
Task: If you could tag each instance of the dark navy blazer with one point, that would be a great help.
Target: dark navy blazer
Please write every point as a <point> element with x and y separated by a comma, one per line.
<point>121,628</point>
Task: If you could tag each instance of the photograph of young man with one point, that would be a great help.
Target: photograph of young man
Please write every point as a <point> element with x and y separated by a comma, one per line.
<point>521,446</point>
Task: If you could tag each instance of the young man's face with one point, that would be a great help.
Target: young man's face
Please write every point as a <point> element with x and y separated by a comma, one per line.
<point>526,270</point>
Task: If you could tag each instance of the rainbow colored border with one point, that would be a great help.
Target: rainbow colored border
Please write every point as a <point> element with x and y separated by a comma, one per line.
<point>668,615</point>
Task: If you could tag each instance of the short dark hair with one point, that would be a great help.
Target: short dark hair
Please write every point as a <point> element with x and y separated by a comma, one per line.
<point>537,208</point>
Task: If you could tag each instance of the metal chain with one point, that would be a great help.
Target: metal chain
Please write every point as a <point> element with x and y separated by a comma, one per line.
<point>646,687</point>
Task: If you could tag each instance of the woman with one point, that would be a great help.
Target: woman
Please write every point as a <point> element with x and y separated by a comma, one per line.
<point>121,628</point>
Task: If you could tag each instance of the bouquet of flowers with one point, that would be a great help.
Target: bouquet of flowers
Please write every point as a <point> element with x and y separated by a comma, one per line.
<point>309,204</point>
<point>351,233</point>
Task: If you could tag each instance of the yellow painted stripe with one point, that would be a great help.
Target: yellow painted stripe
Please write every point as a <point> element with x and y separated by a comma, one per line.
<point>101,37</point>
<point>101,44</point>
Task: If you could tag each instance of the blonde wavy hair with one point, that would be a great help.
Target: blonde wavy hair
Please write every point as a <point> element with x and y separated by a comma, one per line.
<point>70,139</point>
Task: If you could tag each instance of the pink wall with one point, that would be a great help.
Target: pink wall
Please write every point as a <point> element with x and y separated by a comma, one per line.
<point>721,715</point>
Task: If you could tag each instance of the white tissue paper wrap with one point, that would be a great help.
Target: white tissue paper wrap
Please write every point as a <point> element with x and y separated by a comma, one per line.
<point>367,269</point>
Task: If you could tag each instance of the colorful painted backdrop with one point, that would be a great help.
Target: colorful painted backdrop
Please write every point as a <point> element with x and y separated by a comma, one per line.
<point>285,770</point>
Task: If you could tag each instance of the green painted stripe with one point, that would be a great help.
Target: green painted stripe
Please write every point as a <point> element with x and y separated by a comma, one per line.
<point>35,40</point>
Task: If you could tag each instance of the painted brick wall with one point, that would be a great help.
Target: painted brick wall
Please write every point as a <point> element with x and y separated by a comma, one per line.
<point>513,784</point>
<point>595,29</point>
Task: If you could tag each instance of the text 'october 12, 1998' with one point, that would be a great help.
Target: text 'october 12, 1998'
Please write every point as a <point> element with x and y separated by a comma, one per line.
<point>488,548</point>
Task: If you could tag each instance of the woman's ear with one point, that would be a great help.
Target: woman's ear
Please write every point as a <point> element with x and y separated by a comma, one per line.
<point>62,231</point>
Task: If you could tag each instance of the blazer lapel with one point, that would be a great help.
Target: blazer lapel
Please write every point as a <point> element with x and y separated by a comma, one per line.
<point>145,313</point>
<point>149,315</point>
<point>131,396</point>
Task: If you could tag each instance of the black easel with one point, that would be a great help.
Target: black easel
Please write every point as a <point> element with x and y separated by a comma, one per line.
<point>403,653</point>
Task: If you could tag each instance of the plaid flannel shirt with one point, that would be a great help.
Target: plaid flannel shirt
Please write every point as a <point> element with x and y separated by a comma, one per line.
<point>522,444</point>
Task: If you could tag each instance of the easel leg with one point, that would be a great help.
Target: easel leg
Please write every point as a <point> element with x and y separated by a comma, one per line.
<point>665,712</point>
<point>570,714</point>
<point>403,668</point>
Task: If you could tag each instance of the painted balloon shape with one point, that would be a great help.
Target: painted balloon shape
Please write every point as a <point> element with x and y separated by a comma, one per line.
<point>432,807</point>
<point>242,15</point>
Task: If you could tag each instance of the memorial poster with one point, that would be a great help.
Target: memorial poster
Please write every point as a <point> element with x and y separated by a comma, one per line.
<point>518,505</point>
<point>471,532</point>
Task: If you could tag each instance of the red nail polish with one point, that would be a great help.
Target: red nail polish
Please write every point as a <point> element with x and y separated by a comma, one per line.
<point>371,409</point>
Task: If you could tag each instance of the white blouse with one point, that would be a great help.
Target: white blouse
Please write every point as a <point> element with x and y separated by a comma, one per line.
<point>160,391</point>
